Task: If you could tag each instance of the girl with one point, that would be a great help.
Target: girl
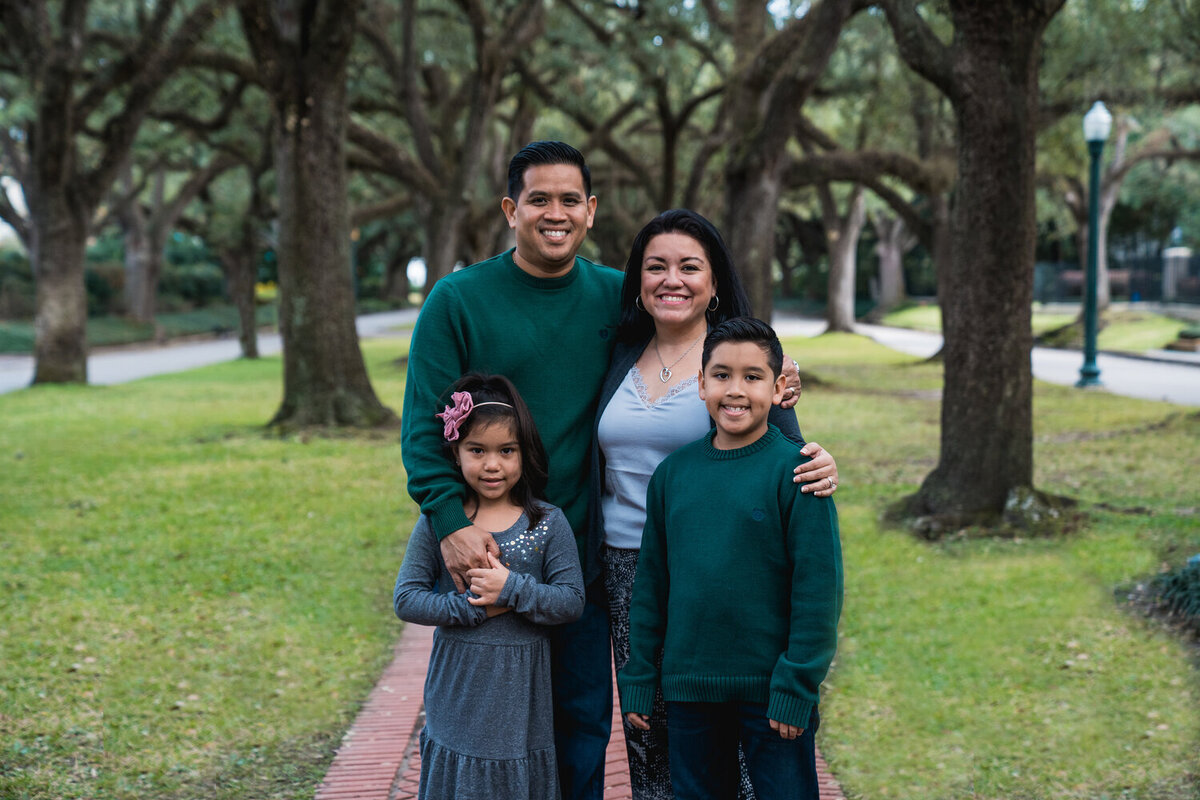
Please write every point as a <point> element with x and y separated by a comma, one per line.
<point>488,729</point>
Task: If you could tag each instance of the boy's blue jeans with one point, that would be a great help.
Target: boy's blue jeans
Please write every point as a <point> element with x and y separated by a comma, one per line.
<point>703,740</point>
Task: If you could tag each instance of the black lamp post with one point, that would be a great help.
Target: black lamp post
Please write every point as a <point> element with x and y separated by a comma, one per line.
<point>1096,126</point>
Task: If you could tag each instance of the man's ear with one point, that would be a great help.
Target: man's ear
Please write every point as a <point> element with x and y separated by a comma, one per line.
<point>510,210</point>
<point>591,206</point>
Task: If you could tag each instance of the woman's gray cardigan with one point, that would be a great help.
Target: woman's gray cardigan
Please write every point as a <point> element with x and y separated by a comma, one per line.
<point>624,356</point>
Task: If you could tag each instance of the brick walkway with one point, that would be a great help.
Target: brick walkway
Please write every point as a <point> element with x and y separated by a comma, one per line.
<point>379,758</point>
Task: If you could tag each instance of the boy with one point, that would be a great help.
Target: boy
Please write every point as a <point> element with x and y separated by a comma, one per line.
<point>739,587</point>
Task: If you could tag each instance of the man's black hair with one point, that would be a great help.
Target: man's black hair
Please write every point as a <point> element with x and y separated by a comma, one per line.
<point>745,329</point>
<point>541,154</point>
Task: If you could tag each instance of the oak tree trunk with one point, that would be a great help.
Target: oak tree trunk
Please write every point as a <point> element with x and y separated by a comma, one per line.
<point>775,74</point>
<point>752,185</point>
<point>324,376</point>
<point>303,49</point>
<point>237,262</point>
<point>842,233</point>
<point>60,343</point>
<point>893,241</point>
<point>987,289</point>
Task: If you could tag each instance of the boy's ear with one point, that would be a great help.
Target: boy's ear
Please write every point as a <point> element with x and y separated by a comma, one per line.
<point>701,374</point>
<point>780,385</point>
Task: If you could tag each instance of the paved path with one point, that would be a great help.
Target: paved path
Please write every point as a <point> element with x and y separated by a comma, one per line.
<point>123,364</point>
<point>379,758</point>
<point>1156,375</point>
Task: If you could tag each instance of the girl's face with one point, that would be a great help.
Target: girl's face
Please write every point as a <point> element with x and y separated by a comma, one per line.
<point>677,280</point>
<point>490,459</point>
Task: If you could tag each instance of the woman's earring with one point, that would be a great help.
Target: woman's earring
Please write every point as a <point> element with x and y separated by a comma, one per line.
<point>712,304</point>
<point>637,303</point>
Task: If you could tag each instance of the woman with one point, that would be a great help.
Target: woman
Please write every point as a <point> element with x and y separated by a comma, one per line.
<point>679,281</point>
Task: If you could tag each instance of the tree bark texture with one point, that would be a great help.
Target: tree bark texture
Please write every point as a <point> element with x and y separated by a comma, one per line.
<point>774,75</point>
<point>303,49</point>
<point>990,74</point>
<point>64,187</point>
<point>842,232</point>
<point>893,240</point>
<point>60,324</point>
<point>237,262</point>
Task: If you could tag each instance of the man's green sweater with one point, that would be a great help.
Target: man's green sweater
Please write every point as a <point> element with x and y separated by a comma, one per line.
<point>551,337</point>
<point>739,583</point>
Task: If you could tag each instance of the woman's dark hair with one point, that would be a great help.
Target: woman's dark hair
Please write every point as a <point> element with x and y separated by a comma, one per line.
<point>542,154</point>
<point>637,325</point>
<point>534,464</point>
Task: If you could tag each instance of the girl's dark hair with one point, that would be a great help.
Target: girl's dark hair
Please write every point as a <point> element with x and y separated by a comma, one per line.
<point>636,325</point>
<point>534,465</point>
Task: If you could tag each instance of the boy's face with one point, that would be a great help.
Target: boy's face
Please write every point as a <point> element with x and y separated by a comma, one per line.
<point>738,388</point>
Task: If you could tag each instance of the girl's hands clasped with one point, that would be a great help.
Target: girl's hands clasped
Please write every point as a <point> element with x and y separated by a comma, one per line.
<point>487,582</point>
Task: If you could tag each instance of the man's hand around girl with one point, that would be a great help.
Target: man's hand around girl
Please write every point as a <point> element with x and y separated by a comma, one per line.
<point>466,548</point>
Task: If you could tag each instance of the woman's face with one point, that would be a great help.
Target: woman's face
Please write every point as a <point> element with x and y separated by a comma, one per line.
<point>677,280</point>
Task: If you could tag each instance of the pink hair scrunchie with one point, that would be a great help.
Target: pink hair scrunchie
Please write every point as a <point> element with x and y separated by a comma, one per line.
<point>454,416</point>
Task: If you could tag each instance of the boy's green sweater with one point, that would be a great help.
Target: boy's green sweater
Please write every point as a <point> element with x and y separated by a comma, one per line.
<point>552,337</point>
<point>739,582</point>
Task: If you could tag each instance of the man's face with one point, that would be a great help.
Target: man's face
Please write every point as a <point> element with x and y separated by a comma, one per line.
<point>551,217</point>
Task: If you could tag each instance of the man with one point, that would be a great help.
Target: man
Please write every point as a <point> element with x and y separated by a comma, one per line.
<point>544,318</point>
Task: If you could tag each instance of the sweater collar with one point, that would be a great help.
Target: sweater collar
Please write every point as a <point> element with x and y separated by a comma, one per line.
<point>544,284</point>
<point>761,443</point>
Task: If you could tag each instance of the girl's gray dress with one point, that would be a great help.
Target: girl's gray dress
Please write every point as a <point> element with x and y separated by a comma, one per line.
<point>489,728</point>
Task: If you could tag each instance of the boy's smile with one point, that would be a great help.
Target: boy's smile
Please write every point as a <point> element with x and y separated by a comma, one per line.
<point>738,389</point>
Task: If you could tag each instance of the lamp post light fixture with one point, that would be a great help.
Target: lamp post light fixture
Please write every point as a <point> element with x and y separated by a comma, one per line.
<point>1096,126</point>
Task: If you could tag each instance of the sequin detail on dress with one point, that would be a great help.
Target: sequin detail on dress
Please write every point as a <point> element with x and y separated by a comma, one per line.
<point>524,545</point>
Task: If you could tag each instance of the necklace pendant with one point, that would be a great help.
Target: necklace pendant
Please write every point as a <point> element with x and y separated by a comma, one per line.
<point>664,375</point>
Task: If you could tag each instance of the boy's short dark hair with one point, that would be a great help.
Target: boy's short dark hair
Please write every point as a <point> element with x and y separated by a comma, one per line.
<point>541,154</point>
<point>745,329</point>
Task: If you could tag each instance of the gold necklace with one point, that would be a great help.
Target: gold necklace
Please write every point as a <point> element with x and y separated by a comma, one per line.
<point>664,374</point>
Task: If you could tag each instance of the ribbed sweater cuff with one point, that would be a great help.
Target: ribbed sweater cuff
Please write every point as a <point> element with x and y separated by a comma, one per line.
<point>636,699</point>
<point>790,709</point>
<point>447,517</point>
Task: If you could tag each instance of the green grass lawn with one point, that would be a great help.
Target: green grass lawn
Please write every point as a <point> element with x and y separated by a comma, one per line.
<point>192,608</point>
<point>1122,331</point>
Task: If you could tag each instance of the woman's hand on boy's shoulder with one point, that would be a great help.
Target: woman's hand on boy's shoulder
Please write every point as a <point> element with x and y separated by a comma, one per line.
<point>819,474</point>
